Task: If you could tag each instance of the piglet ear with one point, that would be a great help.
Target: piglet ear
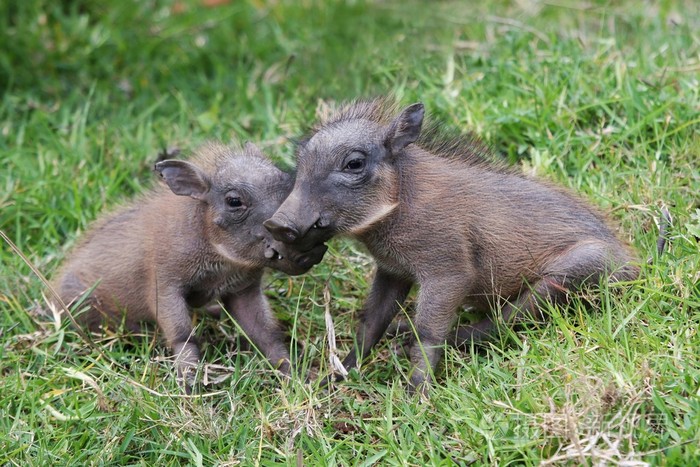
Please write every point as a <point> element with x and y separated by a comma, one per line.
<point>183,178</point>
<point>405,129</point>
<point>252,150</point>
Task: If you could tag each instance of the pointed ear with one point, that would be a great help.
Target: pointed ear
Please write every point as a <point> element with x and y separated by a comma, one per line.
<point>183,178</point>
<point>252,150</point>
<point>405,129</point>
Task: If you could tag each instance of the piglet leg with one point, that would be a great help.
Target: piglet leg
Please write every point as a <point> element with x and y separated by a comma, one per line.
<point>252,312</point>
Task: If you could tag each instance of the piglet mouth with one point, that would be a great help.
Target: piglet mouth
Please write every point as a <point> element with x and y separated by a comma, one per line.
<point>292,261</point>
<point>272,254</point>
<point>311,257</point>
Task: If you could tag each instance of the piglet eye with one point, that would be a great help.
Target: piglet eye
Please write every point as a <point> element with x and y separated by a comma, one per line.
<point>234,201</point>
<point>355,164</point>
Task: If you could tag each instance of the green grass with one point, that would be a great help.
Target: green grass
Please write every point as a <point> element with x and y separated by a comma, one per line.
<point>603,97</point>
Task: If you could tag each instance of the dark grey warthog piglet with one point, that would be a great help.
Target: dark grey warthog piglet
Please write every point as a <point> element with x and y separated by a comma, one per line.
<point>436,213</point>
<point>182,245</point>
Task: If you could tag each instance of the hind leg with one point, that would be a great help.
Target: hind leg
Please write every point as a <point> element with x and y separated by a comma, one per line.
<point>71,290</point>
<point>85,310</point>
<point>585,263</point>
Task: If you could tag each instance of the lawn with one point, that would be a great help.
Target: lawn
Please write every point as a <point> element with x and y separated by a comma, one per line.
<point>602,97</point>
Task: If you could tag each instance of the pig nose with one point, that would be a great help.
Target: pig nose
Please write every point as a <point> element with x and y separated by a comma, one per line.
<point>281,232</point>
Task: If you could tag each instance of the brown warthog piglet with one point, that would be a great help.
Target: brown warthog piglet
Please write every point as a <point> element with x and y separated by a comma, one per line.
<point>182,245</point>
<point>435,212</point>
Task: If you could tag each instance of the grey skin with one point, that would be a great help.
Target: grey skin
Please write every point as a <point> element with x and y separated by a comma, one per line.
<point>435,213</point>
<point>182,245</point>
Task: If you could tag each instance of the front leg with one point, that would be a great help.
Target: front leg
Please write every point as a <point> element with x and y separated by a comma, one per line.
<point>252,312</point>
<point>438,300</point>
<point>384,302</point>
<point>173,318</point>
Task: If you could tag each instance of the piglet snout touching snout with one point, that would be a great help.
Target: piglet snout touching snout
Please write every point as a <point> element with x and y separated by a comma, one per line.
<point>282,229</point>
<point>292,261</point>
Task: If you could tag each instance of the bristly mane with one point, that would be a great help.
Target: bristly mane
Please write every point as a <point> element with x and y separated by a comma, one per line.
<point>211,156</point>
<point>463,147</point>
<point>381,110</point>
<point>434,137</point>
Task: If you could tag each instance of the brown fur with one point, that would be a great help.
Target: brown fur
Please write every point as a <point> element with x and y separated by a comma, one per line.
<point>437,212</point>
<point>162,254</point>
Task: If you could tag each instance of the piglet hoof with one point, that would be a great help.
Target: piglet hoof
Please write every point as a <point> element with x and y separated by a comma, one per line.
<point>283,366</point>
<point>186,378</point>
<point>419,386</point>
<point>186,363</point>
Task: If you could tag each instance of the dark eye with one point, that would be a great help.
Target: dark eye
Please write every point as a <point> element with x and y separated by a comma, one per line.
<point>234,202</point>
<point>355,164</point>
